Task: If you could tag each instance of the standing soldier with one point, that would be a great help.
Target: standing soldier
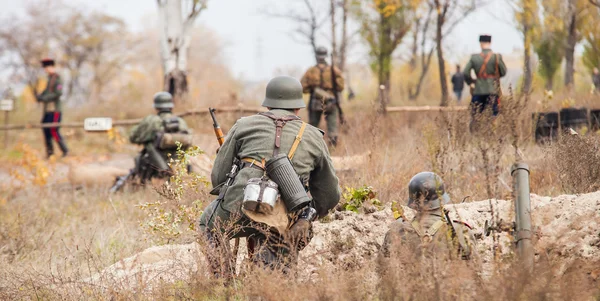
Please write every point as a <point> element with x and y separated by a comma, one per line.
<point>431,231</point>
<point>246,168</point>
<point>319,82</point>
<point>50,98</point>
<point>489,68</point>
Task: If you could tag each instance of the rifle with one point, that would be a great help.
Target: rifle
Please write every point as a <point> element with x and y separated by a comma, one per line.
<point>217,128</point>
<point>230,175</point>
<point>120,181</point>
<point>335,91</point>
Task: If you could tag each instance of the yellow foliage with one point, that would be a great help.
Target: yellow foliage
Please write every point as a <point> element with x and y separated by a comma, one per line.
<point>28,95</point>
<point>32,169</point>
<point>568,103</point>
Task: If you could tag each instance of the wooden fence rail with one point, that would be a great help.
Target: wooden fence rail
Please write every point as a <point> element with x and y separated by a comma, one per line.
<point>204,111</point>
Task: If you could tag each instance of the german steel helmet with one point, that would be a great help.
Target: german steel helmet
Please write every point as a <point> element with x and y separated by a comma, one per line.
<point>284,92</point>
<point>426,191</point>
<point>163,100</point>
<point>321,52</point>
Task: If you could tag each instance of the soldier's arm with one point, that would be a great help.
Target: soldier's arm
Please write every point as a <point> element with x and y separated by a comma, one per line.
<point>467,73</point>
<point>225,156</point>
<point>501,66</point>
<point>54,92</point>
<point>324,186</point>
<point>306,87</point>
<point>145,131</point>
<point>183,127</point>
<point>339,79</point>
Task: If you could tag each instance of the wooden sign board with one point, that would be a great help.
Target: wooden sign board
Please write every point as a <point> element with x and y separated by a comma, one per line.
<point>97,124</point>
<point>7,105</point>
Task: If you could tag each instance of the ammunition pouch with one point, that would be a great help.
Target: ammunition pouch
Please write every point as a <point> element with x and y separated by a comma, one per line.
<point>322,100</point>
<point>280,170</point>
<point>260,195</point>
<point>171,124</point>
<point>168,141</point>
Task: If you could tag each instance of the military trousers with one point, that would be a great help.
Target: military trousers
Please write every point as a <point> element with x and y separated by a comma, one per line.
<point>479,103</point>
<point>267,247</point>
<point>53,133</point>
<point>314,118</point>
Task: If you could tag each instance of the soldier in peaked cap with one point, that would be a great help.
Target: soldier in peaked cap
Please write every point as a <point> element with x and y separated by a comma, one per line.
<point>485,88</point>
<point>52,108</point>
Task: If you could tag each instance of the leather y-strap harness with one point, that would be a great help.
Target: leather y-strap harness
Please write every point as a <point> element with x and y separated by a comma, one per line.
<point>280,122</point>
<point>486,59</point>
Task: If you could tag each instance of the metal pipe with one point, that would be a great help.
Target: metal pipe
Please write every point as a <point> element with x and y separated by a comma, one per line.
<point>523,229</point>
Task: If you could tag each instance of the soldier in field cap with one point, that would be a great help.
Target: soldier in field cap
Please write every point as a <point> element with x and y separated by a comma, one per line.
<point>485,88</point>
<point>50,98</point>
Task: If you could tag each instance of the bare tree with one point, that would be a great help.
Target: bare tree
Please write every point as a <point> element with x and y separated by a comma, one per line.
<point>344,39</point>
<point>309,20</point>
<point>333,33</point>
<point>176,20</point>
<point>23,42</point>
<point>383,26</point>
<point>449,14</point>
<point>420,33</point>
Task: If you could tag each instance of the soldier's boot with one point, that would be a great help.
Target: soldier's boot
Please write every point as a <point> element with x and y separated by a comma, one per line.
<point>220,260</point>
<point>49,148</point>
<point>274,253</point>
<point>63,147</point>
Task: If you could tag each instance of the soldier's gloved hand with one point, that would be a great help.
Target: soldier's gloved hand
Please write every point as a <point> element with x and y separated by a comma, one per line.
<point>300,233</point>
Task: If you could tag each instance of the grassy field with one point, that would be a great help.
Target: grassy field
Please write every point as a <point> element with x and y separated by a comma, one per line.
<point>53,235</point>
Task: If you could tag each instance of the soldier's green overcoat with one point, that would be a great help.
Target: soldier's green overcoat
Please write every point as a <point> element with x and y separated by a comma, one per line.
<point>442,244</point>
<point>254,137</point>
<point>50,97</point>
<point>145,132</point>
<point>485,86</point>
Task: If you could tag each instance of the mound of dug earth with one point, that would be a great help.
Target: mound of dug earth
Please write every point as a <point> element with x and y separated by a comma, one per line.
<point>567,227</point>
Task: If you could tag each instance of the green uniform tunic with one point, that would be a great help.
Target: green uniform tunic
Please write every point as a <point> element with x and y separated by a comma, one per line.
<point>145,134</point>
<point>254,137</point>
<point>146,130</point>
<point>441,243</point>
<point>485,85</point>
<point>50,97</point>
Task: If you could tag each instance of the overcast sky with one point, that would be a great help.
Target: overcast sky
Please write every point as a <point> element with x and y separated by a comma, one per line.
<point>257,45</point>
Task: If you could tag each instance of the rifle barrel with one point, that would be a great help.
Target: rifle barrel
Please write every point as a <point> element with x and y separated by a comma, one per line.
<point>214,118</point>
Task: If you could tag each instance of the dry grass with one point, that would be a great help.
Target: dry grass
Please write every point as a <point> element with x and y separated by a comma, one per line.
<point>53,237</point>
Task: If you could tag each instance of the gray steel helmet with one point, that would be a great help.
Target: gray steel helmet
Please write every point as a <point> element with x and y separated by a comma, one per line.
<point>321,52</point>
<point>284,92</point>
<point>163,100</point>
<point>426,191</point>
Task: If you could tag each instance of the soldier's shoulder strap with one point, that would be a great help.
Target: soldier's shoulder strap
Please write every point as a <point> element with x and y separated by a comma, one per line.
<point>280,122</point>
<point>429,232</point>
<point>463,243</point>
<point>463,223</point>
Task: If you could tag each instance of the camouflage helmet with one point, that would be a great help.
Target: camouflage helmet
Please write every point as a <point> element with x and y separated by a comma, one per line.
<point>163,100</point>
<point>284,92</point>
<point>426,191</point>
<point>321,52</point>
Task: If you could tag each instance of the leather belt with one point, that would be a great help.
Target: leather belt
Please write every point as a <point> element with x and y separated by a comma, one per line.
<point>249,162</point>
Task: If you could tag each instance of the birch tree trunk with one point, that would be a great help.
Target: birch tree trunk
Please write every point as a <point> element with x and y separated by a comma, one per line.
<point>175,27</point>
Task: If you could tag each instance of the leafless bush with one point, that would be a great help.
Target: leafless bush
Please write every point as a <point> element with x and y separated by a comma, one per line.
<point>578,161</point>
